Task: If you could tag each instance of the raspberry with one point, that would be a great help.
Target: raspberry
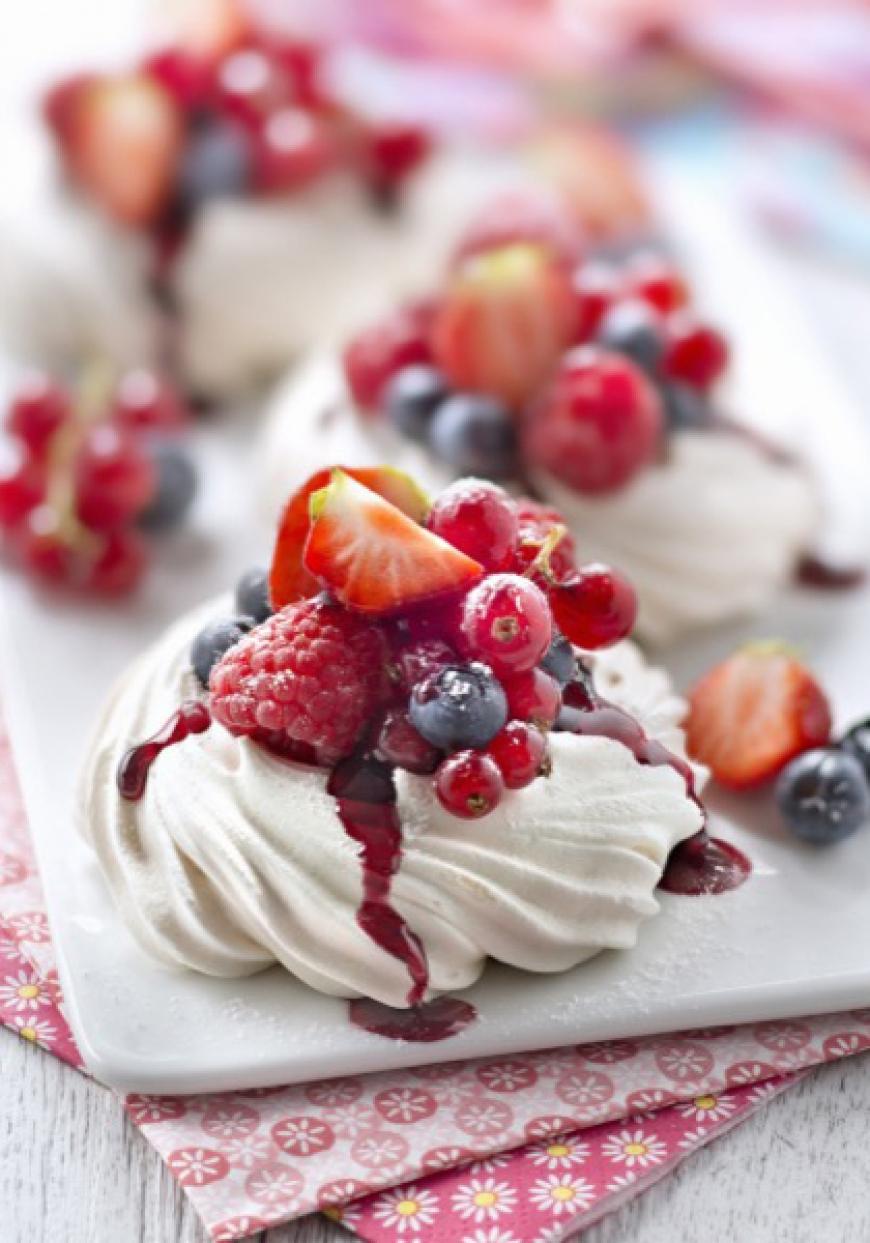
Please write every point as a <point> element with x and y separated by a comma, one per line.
<point>312,673</point>
<point>536,521</point>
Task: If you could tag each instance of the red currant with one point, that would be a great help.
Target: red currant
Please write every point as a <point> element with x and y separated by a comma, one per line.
<point>536,522</point>
<point>479,519</point>
<point>598,425</point>
<point>43,550</point>
<point>120,564</point>
<point>184,76</point>
<point>469,784</point>
<point>38,410</point>
<point>694,353</point>
<point>520,751</point>
<point>114,478</point>
<point>376,354</point>
<point>251,85</point>
<point>144,401</point>
<point>302,64</point>
<point>595,608</point>
<point>596,286</point>
<point>400,744</point>
<point>22,488</point>
<point>291,149</point>
<point>395,149</point>
<point>506,622</point>
<point>654,279</point>
<point>533,696</point>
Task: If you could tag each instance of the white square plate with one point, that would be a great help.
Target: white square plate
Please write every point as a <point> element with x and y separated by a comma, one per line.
<point>794,940</point>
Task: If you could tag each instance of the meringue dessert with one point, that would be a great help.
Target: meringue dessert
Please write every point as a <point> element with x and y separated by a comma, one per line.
<point>386,761</point>
<point>595,386</point>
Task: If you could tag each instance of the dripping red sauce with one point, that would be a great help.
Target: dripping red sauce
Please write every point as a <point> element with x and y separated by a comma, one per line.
<point>365,796</point>
<point>815,572</point>
<point>438,1019</point>
<point>700,865</point>
<point>192,717</point>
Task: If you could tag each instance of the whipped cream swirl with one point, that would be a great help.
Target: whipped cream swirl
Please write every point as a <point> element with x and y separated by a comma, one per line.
<point>234,859</point>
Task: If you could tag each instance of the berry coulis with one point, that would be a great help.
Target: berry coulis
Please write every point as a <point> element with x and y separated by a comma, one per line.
<point>192,717</point>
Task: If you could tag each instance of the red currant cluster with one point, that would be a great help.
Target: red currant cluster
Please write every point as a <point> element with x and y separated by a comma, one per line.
<point>83,478</point>
<point>531,357</point>
<point>254,116</point>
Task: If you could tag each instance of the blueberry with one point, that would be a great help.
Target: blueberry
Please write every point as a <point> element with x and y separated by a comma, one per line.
<point>213,641</point>
<point>823,795</point>
<point>252,594</point>
<point>633,328</point>
<point>857,743</point>
<point>411,399</point>
<point>460,706</point>
<point>474,434</point>
<point>176,487</point>
<point>216,163</point>
<point>559,660</point>
<point>685,408</point>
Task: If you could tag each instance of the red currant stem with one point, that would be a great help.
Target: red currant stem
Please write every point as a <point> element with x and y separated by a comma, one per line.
<point>541,563</point>
<point>91,400</point>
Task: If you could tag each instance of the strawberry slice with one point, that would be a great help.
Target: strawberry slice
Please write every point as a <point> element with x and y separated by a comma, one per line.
<point>122,139</point>
<point>289,580</point>
<point>375,558</point>
<point>505,319</point>
<point>754,712</point>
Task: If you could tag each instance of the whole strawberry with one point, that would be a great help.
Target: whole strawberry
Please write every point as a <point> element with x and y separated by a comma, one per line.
<point>312,673</point>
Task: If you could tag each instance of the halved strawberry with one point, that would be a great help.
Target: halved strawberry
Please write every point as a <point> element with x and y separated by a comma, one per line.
<point>289,580</point>
<point>754,712</point>
<point>373,557</point>
<point>504,321</point>
<point>122,142</point>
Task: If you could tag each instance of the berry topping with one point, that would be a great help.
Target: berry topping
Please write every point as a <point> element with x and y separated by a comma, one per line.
<point>598,425</point>
<point>292,149</point>
<point>655,279</point>
<point>505,318</point>
<point>411,398</point>
<point>596,286</point>
<point>520,751</point>
<point>823,796</point>
<point>479,519</point>
<point>685,408</point>
<point>559,660</point>
<point>373,557</point>
<point>375,355</point>
<point>145,401</point>
<point>506,622</point>
<point>217,163</point>
<point>635,329</point>
<point>288,578</point>
<point>695,353</point>
<point>595,607</point>
<point>469,785</point>
<point>399,744</point>
<point>252,594</point>
<point>462,706</point>
<point>39,409</point>
<point>473,433</point>
<point>123,137</point>
<point>857,743</point>
<point>214,641</point>
<point>115,478</point>
<point>119,565</point>
<point>312,673</point>
<point>539,526</point>
<point>174,490</point>
<point>533,696</point>
<point>754,712</point>
<point>22,488</point>
<point>393,149</point>
<point>416,660</point>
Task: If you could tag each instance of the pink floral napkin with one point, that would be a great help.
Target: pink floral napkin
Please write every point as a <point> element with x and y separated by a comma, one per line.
<point>523,1149</point>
